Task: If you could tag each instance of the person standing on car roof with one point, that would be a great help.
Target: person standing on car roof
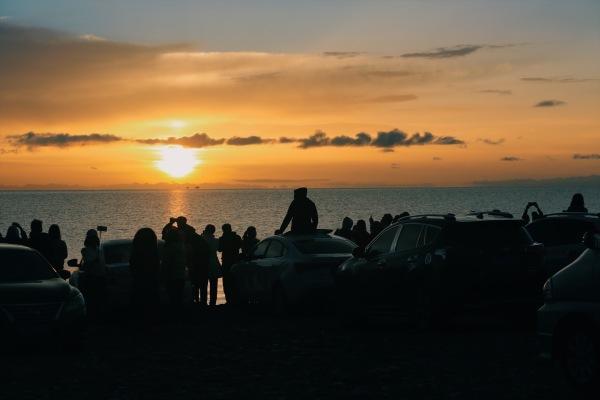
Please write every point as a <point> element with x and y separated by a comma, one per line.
<point>302,213</point>
<point>577,204</point>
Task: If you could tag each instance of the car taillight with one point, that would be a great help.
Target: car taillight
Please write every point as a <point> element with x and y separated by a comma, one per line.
<point>547,290</point>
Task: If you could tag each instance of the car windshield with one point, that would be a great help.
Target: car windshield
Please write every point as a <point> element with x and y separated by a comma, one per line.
<point>324,246</point>
<point>23,266</point>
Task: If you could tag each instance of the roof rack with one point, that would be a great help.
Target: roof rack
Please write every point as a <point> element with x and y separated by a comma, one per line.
<point>568,213</point>
<point>449,217</point>
<point>491,213</point>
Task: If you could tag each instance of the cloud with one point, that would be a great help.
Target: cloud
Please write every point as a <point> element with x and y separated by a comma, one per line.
<point>593,156</point>
<point>557,80</point>
<point>436,158</point>
<point>550,103</point>
<point>511,158</point>
<point>342,54</point>
<point>492,142</point>
<point>197,140</point>
<point>285,140</point>
<point>249,140</point>
<point>318,139</point>
<point>32,139</point>
<point>496,91</point>
<point>360,139</point>
<point>454,51</point>
<point>392,98</point>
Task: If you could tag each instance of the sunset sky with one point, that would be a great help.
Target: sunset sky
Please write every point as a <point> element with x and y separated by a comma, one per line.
<point>276,92</point>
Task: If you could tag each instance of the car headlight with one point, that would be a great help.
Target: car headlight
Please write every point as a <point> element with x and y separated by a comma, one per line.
<point>74,305</point>
<point>547,291</point>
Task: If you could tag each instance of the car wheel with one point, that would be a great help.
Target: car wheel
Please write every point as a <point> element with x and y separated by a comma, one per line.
<point>581,358</point>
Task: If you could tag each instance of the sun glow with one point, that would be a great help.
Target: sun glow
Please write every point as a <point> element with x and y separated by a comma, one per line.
<point>177,161</point>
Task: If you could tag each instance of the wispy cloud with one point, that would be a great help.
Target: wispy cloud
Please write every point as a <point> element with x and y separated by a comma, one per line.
<point>454,51</point>
<point>550,103</point>
<point>491,142</point>
<point>32,139</point>
<point>392,98</point>
<point>511,159</point>
<point>557,79</point>
<point>592,156</point>
<point>249,140</point>
<point>497,91</point>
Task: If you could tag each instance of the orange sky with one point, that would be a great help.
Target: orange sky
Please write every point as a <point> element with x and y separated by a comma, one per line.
<point>483,95</point>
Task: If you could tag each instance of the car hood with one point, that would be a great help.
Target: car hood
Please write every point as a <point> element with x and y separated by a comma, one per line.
<point>46,291</point>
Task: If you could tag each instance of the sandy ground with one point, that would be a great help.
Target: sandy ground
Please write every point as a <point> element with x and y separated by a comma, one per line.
<point>250,354</point>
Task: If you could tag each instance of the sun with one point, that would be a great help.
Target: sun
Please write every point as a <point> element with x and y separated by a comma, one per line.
<point>177,161</point>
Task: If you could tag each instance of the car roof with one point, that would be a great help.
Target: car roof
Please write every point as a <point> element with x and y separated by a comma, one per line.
<point>445,219</point>
<point>120,242</point>
<point>570,215</point>
<point>7,246</point>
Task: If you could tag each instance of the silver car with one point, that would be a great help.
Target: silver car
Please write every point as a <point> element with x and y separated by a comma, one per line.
<point>290,270</point>
<point>569,320</point>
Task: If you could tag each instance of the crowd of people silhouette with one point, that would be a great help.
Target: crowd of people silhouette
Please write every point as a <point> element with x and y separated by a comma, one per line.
<point>186,253</point>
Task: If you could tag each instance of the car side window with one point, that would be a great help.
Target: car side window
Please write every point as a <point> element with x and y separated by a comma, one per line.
<point>261,249</point>
<point>429,235</point>
<point>383,243</point>
<point>276,249</point>
<point>409,235</point>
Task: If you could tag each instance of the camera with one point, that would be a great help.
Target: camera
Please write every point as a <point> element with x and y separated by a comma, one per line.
<point>101,228</point>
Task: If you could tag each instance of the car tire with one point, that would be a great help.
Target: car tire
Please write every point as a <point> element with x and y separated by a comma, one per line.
<point>580,358</point>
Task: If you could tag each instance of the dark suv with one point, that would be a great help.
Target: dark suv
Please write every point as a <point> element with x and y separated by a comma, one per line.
<point>561,235</point>
<point>433,265</point>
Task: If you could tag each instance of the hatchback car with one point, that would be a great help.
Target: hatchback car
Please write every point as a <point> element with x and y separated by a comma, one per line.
<point>423,267</point>
<point>561,235</point>
<point>569,320</point>
<point>35,300</point>
<point>290,270</point>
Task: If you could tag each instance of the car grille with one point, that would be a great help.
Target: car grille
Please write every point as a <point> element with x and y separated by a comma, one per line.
<point>31,313</point>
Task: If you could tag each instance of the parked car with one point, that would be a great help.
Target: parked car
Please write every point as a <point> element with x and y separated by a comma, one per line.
<point>35,300</point>
<point>290,270</point>
<point>426,266</point>
<point>561,235</point>
<point>569,320</point>
<point>116,254</point>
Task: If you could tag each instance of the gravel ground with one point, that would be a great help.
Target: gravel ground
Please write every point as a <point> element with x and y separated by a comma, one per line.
<point>225,354</point>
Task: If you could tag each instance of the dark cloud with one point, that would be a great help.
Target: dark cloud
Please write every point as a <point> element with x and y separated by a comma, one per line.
<point>318,139</point>
<point>492,142</point>
<point>387,74</point>
<point>393,98</point>
<point>285,139</point>
<point>455,51</point>
<point>281,180</point>
<point>448,140</point>
<point>550,103</point>
<point>436,158</point>
<point>593,156</point>
<point>496,91</point>
<point>510,158</point>
<point>249,140</point>
<point>32,139</point>
<point>197,140</point>
<point>557,80</point>
<point>360,139</point>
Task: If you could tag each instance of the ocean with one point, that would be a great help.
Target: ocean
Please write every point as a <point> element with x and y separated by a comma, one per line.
<point>125,211</point>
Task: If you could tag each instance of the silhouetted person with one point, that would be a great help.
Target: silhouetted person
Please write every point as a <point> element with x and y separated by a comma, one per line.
<point>346,230</point>
<point>360,235</point>
<point>376,227</point>
<point>198,266</point>
<point>400,216</point>
<point>212,276</point>
<point>144,265</point>
<point>386,220</point>
<point>577,204</point>
<point>94,278</point>
<point>302,213</point>
<point>173,265</point>
<point>58,248</point>
<point>15,234</point>
<point>230,244</point>
<point>536,214</point>
<point>39,240</point>
<point>249,242</point>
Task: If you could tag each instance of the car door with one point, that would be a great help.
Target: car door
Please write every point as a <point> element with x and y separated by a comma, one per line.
<point>371,268</point>
<point>402,263</point>
<point>247,272</point>
<point>270,267</point>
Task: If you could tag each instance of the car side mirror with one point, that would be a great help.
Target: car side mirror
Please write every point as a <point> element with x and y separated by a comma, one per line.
<point>359,252</point>
<point>73,262</point>
<point>63,273</point>
<point>591,240</point>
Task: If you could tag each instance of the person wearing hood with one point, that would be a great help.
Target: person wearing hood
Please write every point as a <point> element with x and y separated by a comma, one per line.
<point>346,230</point>
<point>577,204</point>
<point>360,235</point>
<point>302,213</point>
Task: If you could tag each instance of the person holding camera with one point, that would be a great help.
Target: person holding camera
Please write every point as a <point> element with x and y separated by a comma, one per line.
<point>536,214</point>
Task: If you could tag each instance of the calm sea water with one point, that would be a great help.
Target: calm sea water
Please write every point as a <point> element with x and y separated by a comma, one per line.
<point>126,211</point>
